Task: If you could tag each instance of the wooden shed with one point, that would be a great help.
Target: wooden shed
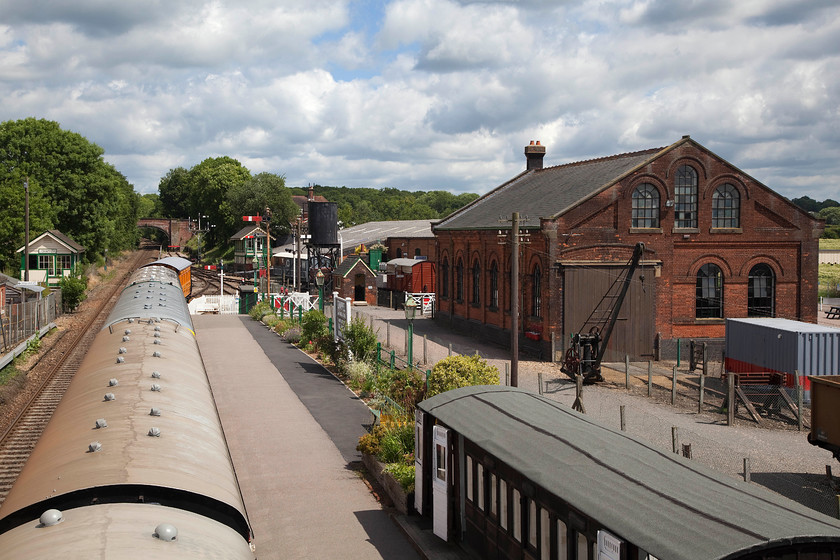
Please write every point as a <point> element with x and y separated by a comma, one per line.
<point>52,255</point>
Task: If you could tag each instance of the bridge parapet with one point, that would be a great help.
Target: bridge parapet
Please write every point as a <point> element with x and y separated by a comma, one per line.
<point>178,230</point>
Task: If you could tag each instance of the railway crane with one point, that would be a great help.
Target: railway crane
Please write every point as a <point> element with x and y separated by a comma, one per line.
<point>587,349</point>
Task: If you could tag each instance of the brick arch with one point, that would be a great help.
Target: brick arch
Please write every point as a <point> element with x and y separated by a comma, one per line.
<point>178,230</point>
<point>691,161</point>
<point>726,178</point>
<point>769,260</point>
<point>706,259</point>
<point>655,180</point>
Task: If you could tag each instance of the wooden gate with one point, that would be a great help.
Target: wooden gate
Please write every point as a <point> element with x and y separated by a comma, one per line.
<point>635,329</point>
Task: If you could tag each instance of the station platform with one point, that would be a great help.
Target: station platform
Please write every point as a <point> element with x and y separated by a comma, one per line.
<point>292,430</point>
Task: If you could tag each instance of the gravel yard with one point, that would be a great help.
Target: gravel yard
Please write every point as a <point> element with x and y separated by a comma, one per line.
<point>780,456</point>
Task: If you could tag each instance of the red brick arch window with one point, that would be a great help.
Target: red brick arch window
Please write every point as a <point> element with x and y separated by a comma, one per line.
<point>685,197</point>
<point>645,212</point>
<point>726,207</point>
<point>709,297</point>
<point>760,291</point>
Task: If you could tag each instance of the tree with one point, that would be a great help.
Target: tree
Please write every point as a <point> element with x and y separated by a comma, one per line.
<point>85,197</point>
<point>72,291</point>
<point>174,190</point>
<point>831,215</point>
<point>149,206</point>
<point>264,189</point>
<point>209,182</point>
<point>12,217</point>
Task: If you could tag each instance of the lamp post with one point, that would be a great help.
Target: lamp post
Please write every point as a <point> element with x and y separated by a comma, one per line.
<point>410,311</point>
<point>319,279</point>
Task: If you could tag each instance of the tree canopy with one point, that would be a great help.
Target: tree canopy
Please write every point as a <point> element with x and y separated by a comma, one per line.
<point>362,205</point>
<point>72,189</point>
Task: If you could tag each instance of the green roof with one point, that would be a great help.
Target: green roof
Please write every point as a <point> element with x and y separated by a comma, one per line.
<point>669,506</point>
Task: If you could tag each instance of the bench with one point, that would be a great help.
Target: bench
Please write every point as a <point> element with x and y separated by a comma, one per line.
<point>833,312</point>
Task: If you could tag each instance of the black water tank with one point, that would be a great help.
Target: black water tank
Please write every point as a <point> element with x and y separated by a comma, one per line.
<point>323,223</point>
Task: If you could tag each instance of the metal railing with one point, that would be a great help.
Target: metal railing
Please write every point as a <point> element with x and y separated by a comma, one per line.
<point>21,320</point>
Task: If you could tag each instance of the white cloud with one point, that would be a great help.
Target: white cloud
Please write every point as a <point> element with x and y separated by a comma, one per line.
<point>437,94</point>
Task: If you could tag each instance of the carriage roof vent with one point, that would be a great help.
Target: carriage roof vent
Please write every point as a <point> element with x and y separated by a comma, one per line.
<point>166,532</point>
<point>51,517</point>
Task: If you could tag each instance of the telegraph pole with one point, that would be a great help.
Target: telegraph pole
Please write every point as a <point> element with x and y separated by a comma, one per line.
<point>514,301</point>
<point>26,234</point>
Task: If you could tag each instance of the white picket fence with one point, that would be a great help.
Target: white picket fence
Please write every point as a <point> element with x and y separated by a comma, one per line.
<point>222,305</point>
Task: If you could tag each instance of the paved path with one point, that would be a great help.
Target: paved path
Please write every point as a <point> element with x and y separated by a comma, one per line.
<point>302,499</point>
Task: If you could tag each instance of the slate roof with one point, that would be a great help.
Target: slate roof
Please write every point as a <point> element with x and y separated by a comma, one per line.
<point>546,192</point>
<point>63,239</point>
<point>252,230</point>
<point>690,512</point>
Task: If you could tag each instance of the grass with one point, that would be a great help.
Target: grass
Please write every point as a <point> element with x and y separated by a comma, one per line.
<point>828,244</point>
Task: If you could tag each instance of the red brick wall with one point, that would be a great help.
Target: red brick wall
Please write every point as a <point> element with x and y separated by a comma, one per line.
<point>772,231</point>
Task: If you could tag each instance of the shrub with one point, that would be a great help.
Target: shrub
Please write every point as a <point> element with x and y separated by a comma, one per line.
<point>72,291</point>
<point>370,443</point>
<point>396,443</point>
<point>359,373</point>
<point>461,371</point>
<point>361,340</point>
<point>270,320</point>
<point>314,326</point>
<point>292,335</point>
<point>258,311</point>
<point>404,474</point>
<point>407,387</point>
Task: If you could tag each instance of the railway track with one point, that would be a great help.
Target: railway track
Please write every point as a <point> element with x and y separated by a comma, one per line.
<point>17,442</point>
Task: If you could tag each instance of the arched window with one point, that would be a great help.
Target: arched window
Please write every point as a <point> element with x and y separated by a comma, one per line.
<point>760,300</point>
<point>726,207</point>
<point>417,251</point>
<point>536,292</point>
<point>476,283</point>
<point>444,278</point>
<point>645,206</point>
<point>494,285</point>
<point>459,281</point>
<point>399,253</point>
<point>685,198</point>
<point>709,298</point>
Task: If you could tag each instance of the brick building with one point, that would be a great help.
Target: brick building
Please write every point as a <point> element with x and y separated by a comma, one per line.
<point>718,244</point>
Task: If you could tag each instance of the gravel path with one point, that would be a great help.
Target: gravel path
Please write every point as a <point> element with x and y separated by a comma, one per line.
<point>781,459</point>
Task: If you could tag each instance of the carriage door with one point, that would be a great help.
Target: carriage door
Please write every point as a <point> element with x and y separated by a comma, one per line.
<point>440,487</point>
<point>418,460</point>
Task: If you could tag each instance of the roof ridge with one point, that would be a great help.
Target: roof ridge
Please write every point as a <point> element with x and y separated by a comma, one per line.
<point>605,158</point>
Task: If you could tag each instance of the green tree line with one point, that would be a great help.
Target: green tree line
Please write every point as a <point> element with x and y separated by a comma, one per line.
<point>828,210</point>
<point>361,205</point>
<point>71,189</point>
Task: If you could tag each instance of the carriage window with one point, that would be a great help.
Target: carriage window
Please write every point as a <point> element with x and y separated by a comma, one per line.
<point>481,486</point>
<point>503,503</point>
<point>582,545</point>
<point>562,541</point>
<point>517,515</point>
<point>469,478</point>
<point>440,451</point>
<point>532,523</point>
<point>545,535</point>
<point>493,507</point>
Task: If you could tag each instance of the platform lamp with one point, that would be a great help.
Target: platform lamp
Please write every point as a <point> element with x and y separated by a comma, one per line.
<point>319,279</point>
<point>410,312</point>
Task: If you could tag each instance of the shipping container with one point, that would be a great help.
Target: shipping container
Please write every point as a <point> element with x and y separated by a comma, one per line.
<point>761,349</point>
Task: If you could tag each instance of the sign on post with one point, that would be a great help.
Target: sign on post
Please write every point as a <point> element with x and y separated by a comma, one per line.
<point>341,314</point>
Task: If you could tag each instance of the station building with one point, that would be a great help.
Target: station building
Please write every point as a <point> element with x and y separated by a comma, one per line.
<point>52,255</point>
<point>718,244</point>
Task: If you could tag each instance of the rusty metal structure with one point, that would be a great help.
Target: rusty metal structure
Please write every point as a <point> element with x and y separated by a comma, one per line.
<point>134,457</point>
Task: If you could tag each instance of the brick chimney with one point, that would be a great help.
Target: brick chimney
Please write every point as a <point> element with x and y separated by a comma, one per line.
<point>534,154</point>
<point>311,192</point>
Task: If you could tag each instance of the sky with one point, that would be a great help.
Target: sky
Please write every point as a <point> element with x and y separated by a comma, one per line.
<point>430,94</point>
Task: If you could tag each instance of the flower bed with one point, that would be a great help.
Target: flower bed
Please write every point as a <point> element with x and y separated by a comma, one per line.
<point>401,499</point>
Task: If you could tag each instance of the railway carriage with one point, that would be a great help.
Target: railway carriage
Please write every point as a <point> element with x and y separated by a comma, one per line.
<point>181,266</point>
<point>512,474</point>
<point>134,462</point>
